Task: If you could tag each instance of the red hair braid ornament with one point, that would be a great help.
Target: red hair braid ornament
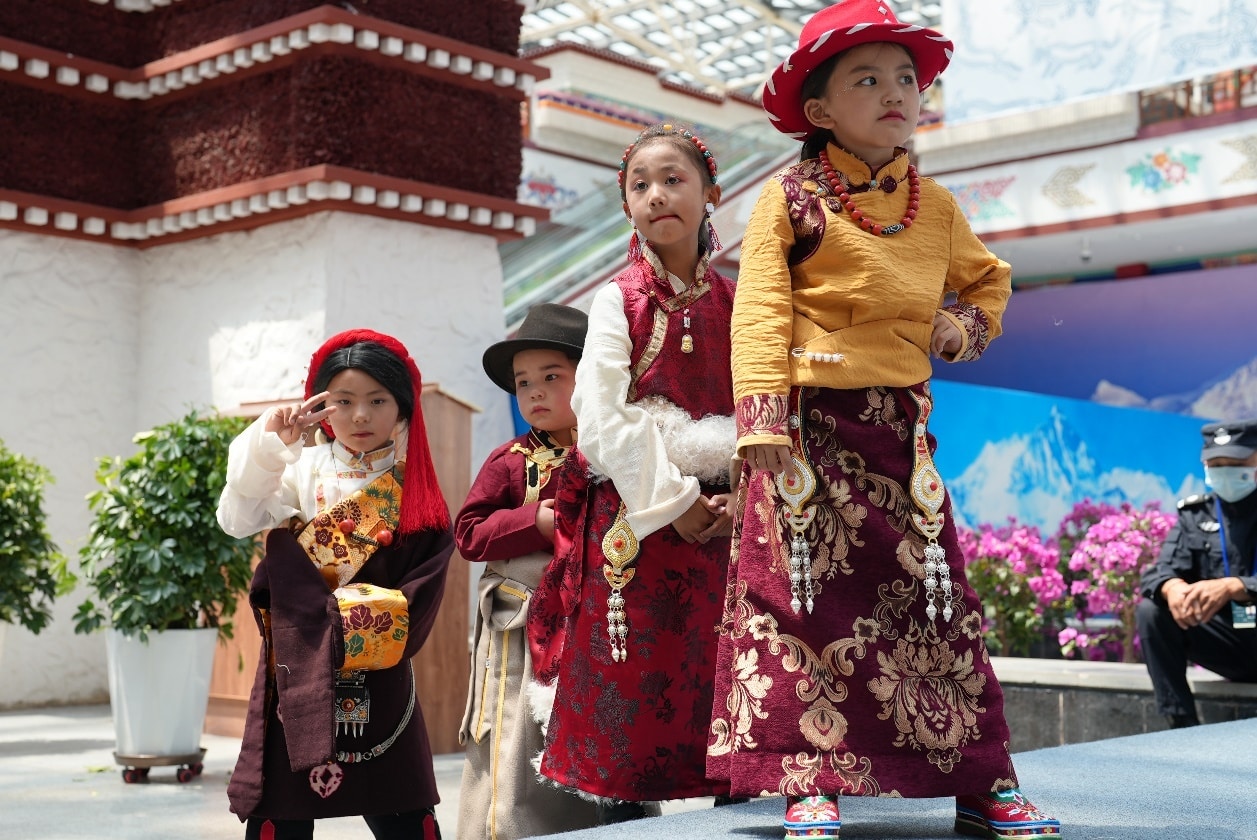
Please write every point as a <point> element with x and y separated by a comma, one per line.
<point>423,505</point>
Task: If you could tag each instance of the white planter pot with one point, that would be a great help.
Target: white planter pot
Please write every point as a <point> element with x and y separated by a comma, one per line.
<point>159,689</point>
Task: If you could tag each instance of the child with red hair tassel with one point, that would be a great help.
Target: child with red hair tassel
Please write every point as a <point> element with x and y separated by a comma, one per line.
<point>346,593</point>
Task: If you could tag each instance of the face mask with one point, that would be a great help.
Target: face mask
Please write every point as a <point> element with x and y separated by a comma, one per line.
<point>1231,483</point>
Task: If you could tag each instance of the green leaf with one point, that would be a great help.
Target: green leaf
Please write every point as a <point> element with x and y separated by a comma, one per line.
<point>155,558</point>
<point>32,570</point>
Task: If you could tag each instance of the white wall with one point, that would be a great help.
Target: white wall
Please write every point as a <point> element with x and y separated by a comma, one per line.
<point>573,70</point>
<point>234,318</point>
<point>109,341</point>
<point>70,350</point>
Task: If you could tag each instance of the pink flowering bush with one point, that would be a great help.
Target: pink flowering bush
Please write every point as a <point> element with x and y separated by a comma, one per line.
<point>1017,578</point>
<point>1080,586</point>
<point>1069,533</point>
<point>1106,565</point>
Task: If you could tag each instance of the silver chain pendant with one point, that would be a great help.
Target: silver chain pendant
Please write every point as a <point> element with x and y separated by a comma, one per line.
<point>353,703</point>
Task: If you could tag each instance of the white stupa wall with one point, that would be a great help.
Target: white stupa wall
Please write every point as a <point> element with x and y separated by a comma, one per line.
<point>70,347</point>
<point>106,341</point>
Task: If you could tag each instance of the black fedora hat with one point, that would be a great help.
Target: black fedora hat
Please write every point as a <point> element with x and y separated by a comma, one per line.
<point>547,326</point>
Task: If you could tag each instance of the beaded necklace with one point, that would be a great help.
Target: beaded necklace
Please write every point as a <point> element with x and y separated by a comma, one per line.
<point>842,191</point>
<point>355,465</point>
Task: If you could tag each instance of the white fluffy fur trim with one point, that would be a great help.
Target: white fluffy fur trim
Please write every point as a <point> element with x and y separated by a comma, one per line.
<point>701,448</point>
<point>541,702</point>
<point>652,808</point>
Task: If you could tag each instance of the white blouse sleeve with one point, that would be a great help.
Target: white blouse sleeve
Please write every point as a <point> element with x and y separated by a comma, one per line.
<point>261,491</point>
<point>622,441</point>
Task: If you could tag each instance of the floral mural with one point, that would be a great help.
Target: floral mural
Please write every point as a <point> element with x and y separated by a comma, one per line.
<point>1163,170</point>
<point>982,201</point>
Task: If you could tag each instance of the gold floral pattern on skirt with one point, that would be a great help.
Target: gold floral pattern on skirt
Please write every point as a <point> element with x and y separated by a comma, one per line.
<point>865,696</point>
<point>932,693</point>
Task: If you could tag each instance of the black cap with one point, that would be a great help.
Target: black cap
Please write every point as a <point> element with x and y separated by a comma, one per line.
<point>547,326</point>
<point>1236,439</point>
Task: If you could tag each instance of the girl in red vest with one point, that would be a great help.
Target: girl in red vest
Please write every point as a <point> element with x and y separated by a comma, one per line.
<point>625,613</point>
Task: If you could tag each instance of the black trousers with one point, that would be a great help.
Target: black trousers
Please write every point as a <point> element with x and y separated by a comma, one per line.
<point>412,825</point>
<point>1167,649</point>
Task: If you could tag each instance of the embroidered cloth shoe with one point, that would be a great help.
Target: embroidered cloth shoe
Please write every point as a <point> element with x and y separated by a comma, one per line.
<point>1006,815</point>
<point>812,816</point>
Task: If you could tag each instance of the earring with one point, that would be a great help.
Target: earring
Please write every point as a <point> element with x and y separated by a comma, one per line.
<point>634,247</point>
<point>713,240</point>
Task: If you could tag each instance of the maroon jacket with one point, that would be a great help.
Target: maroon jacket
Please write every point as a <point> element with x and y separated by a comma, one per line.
<point>495,523</point>
<point>273,773</point>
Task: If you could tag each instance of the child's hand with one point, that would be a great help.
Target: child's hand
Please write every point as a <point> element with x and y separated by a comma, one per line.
<point>291,422</point>
<point>768,456</point>
<point>721,507</point>
<point>545,519</point>
<point>691,524</point>
<point>946,338</point>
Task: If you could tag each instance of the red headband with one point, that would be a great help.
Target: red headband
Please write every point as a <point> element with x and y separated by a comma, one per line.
<point>423,505</point>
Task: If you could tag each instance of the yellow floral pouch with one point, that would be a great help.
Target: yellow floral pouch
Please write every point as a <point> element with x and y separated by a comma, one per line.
<point>375,622</point>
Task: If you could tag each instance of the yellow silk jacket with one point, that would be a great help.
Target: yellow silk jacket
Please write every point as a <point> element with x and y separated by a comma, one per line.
<point>813,285</point>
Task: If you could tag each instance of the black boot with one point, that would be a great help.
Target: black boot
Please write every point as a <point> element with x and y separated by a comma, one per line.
<point>621,812</point>
<point>1182,721</point>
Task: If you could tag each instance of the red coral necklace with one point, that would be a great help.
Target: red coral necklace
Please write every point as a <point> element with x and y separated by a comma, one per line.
<point>843,192</point>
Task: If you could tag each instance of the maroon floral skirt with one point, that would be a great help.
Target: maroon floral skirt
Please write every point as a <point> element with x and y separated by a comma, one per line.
<point>631,729</point>
<point>866,695</point>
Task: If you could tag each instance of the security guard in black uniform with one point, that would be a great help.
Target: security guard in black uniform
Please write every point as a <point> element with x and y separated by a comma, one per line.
<point>1198,600</point>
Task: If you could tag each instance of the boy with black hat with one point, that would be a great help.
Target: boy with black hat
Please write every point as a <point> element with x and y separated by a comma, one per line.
<point>507,521</point>
<point>1199,598</point>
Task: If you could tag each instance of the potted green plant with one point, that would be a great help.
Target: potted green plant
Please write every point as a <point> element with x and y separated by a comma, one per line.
<point>32,570</point>
<point>164,580</point>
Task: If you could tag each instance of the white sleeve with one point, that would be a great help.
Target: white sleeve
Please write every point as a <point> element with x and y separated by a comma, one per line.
<point>261,491</point>
<point>622,441</point>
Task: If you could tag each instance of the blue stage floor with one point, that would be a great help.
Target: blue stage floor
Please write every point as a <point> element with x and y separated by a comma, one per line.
<point>58,781</point>
<point>1187,784</point>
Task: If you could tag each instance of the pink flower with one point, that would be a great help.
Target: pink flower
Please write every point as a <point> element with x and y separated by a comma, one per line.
<point>1106,564</point>
<point>1016,577</point>
<point>1088,570</point>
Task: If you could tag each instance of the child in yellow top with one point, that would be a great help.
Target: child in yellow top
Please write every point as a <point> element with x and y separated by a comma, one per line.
<point>851,658</point>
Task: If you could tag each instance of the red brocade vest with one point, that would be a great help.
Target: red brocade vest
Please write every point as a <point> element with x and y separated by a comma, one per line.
<point>659,365</point>
<point>633,724</point>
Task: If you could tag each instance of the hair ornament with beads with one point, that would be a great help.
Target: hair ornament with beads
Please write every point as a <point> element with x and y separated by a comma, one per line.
<point>666,130</point>
<point>707,162</point>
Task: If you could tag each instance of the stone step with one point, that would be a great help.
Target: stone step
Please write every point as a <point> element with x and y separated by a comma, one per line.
<point>1053,702</point>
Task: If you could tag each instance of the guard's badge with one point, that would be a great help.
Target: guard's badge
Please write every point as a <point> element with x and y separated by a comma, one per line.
<point>1210,527</point>
<point>1221,437</point>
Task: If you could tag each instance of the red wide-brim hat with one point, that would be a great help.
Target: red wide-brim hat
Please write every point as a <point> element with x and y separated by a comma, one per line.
<point>841,27</point>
